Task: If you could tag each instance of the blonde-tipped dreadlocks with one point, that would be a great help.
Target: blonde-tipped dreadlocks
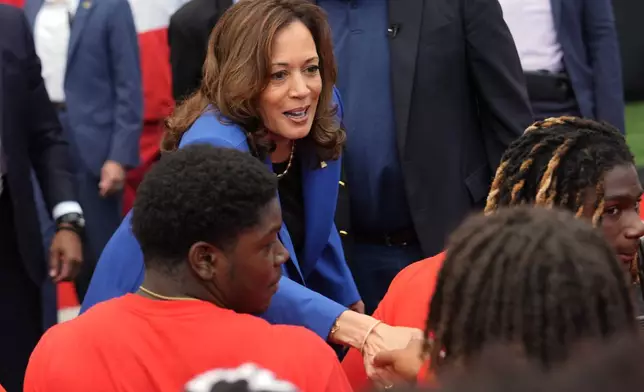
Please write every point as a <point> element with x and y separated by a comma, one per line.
<point>555,161</point>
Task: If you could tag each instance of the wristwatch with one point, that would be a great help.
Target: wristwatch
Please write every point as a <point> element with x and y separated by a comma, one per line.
<point>72,221</point>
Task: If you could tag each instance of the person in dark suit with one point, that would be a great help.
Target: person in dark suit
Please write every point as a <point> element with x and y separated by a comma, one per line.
<point>30,137</point>
<point>434,93</point>
<point>188,34</point>
<point>90,59</point>
<point>570,54</point>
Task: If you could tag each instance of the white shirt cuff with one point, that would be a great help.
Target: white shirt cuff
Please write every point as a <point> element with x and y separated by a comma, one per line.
<point>66,207</point>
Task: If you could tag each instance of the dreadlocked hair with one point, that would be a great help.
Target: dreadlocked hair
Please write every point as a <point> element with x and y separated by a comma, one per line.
<point>555,161</point>
<point>534,278</point>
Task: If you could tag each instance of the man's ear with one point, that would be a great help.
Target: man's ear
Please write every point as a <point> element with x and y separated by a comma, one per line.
<point>205,260</point>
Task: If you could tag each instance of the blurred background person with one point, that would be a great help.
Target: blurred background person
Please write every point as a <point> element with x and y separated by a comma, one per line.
<point>614,365</point>
<point>151,18</point>
<point>188,34</point>
<point>30,138</point>
<point>90,60</point>
<point>433,94</point>
<point>569,52</point>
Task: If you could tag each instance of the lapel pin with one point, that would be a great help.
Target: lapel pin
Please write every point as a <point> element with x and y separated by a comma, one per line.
<point>323,165</point>
<point>86,4</point>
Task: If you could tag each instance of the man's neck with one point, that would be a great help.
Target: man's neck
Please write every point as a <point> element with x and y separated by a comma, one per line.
<point>175,287</point>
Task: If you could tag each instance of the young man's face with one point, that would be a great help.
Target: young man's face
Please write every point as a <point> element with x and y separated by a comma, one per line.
<point>252,269</point>
<point>620,223</point>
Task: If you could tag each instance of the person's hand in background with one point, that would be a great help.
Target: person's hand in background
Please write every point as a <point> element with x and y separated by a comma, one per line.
<point>112,178</point>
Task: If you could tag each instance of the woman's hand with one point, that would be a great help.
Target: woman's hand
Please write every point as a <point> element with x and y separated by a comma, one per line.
<point>384,341</point>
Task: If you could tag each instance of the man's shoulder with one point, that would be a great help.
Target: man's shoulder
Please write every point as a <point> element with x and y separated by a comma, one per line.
<point>93,321</point>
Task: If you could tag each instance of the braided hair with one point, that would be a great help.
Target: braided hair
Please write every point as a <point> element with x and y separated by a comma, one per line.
<point>555,161</point>
<point>531,277</point>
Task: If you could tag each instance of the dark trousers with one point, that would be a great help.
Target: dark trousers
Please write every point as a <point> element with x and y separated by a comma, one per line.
<point>20,304</point>
<point>375,266</point>
<point>551,95</point>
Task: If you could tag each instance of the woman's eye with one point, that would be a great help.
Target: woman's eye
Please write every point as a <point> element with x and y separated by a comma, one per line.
<point>278,75</point>
<point>313,69</point>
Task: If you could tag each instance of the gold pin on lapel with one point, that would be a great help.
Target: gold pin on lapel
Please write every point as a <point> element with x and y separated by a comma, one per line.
<point>323,165</point>
<point>86,4</point>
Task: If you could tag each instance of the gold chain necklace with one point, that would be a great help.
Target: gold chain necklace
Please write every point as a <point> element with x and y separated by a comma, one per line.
<point>163,297</point>
<point>290,161</point>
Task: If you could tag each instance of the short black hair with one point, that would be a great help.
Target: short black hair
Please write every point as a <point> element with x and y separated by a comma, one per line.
<point>199,193</point>
<point>530,276</point>
<point>555,161</point>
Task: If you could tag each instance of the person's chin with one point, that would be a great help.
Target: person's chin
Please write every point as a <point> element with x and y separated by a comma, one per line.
<point>294,131</point>
<point>262,308</point>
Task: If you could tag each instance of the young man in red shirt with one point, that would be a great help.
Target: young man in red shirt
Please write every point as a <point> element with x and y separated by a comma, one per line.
<point>207,221</point>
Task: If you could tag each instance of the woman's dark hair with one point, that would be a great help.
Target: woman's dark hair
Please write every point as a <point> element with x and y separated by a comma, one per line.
<point>198,193</point>
<point>555,161</point>
<point>531,277</point>
<point>237,69</point>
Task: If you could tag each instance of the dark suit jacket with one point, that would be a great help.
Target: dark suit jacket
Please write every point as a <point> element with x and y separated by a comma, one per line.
<point>587,34</point>
<point>188,35</point>
<point>459,101</point>
<point>31,137</point>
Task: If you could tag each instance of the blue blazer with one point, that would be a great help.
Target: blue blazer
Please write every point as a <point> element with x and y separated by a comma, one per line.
<point>328,284</point>
<point>103,88</point>
<point>587,34</point>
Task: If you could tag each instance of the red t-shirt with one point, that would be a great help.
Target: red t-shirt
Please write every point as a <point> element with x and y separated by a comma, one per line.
<point>406,304</point>
<point>135,344</point>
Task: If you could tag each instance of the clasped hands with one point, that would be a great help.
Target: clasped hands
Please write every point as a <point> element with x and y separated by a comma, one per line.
<point>393,355</point>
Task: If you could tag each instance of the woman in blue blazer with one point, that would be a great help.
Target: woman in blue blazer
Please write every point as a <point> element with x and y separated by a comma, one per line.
<point>279,105</point>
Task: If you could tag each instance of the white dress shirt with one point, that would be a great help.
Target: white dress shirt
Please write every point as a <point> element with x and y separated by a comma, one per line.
<point>532,25</point>
<point>51,37</point>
